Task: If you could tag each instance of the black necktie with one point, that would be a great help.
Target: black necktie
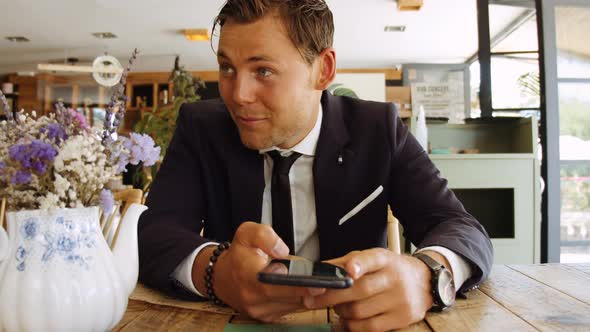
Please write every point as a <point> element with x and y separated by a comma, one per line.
<point>282,211</point>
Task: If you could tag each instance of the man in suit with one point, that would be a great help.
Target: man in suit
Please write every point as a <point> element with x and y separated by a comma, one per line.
<point>275,61</point>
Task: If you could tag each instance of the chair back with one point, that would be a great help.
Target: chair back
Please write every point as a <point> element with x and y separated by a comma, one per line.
<point>110,222</point>
<point>393,235</point>
<point>3,213</point>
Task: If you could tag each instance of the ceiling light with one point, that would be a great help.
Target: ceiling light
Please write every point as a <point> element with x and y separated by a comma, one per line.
<point>18,39</point>
<point>395,28</point>
<point>104,35</point>
<point>409,4</point>
<point>196,34</point>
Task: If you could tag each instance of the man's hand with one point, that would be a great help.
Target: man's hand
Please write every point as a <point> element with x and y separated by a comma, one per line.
<point>390,291</point>
<point>235,275</point>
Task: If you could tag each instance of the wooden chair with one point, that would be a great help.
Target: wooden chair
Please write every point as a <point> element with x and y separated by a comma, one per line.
<point>2,214</point>
<point>393,236</point>
<point>110,223</point>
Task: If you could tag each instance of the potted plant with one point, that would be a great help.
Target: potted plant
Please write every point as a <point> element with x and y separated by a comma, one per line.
<point>53,170</point>
<point>161,121</point>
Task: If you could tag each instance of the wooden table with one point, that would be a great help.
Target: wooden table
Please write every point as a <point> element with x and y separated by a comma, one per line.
<point>545,297</point>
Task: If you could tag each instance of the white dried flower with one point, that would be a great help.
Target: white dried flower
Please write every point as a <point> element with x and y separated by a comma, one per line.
<point>49,201</point>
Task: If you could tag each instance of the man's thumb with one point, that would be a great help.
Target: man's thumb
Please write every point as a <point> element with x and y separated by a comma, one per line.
<point>261,237</point>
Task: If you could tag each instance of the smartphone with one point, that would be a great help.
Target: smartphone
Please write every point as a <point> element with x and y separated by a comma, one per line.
<point>305,273</point>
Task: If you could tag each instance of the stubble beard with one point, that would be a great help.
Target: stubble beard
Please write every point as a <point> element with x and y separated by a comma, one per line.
<point>275,138</point>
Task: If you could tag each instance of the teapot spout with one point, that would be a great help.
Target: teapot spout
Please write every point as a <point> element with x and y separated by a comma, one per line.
<point>125,252</point>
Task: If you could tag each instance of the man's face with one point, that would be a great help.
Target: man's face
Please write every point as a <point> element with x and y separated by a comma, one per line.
<point>265,83</point>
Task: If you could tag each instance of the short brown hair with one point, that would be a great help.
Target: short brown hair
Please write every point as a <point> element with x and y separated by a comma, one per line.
<point>309,23</point>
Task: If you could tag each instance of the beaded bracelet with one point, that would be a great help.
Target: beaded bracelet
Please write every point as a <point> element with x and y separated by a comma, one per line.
<point>209,272</point>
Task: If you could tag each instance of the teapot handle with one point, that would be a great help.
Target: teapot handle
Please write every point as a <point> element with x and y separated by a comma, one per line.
<point>3,244</point>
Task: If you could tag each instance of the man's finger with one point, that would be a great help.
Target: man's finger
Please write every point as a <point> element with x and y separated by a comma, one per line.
<point>368,261</point>
<point>368,286</point>
<point>263,237</point>
<point>359,263</point>
<point>365,308</point>
<point>341,261</point>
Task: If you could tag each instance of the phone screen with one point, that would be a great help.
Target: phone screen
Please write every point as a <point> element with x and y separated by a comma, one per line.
<point>303,272</point>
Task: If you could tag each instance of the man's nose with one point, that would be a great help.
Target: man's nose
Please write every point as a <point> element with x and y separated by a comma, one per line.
<point>244,90</point>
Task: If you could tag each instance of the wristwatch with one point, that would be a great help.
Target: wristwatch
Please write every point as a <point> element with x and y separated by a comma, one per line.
<point>443,286</point>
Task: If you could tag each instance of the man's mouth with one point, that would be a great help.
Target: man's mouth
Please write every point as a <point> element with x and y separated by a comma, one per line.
<point>250,121</point>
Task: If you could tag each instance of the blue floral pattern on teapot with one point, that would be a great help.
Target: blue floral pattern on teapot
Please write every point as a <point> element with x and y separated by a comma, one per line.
<point>65,239</point>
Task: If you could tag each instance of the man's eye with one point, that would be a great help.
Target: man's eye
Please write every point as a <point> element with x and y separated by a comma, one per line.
<point>226,69</point>
<point>264,72</point>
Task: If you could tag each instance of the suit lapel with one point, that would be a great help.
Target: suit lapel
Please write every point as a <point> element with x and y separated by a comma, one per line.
<point>329,174</point>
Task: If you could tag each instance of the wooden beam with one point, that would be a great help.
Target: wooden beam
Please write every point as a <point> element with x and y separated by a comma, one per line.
<point>75,95</point>
<point>77,69</point>
<point>390,73</point>
<point>212,76</point>
<point>409,4</point>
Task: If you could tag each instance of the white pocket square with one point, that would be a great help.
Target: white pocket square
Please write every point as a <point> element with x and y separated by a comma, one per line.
<point>361,205</point>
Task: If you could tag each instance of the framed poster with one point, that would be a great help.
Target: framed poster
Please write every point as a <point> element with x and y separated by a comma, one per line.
<point>440,100</point>
<point>444,87</point>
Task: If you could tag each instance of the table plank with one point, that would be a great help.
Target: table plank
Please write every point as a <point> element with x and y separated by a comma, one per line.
<point>541,306</point>
<point>582,267</point>
<point>134,310</point>
<point>477,313</point>
<point>564,278</point>
<point>164,318</point>
<point>420,326</point>
<point>313,317</point>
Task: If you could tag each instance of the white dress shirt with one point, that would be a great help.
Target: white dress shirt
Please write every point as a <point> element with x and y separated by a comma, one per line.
<point>304,212</point>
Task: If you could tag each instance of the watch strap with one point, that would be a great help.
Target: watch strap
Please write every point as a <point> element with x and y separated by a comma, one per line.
<point>435,268</point>
<point>432,263</point>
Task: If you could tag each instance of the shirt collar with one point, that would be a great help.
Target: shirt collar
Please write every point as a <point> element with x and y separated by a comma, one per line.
<point>308,145</point>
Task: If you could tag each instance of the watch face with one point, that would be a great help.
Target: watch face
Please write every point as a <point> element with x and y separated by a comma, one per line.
<point>446,288</point>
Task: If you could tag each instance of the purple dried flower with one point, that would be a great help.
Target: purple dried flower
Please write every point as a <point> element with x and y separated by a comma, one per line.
<point>19,152</point>
<point>39,167</point>
<point>118,99</point>
<point>142,149</point>
<point>55,132</point>
<point>21,177</point>
<point>122,163</point>
<point>60,112</point>
<point>78,119</point>
<point>107,201</point>
<point>7,110</point>
<point>34,156</point>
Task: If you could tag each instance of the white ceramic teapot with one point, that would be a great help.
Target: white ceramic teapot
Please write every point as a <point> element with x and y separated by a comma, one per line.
<point>57,272</point>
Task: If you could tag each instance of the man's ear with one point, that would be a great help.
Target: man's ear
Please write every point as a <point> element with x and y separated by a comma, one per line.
<point>327,68</point>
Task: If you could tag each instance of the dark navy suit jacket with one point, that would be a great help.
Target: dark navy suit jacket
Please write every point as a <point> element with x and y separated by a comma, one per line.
<point>210,180</point>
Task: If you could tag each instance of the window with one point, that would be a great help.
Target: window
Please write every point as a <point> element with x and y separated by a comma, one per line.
<point>509,61</point>
<point>573,85</point>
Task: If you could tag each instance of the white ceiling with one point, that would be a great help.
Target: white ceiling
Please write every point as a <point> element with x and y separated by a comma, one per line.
<point>442,31</point>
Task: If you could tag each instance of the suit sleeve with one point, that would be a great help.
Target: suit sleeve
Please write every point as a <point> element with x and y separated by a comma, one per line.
<point>428,210</point>
<point>169,230</point>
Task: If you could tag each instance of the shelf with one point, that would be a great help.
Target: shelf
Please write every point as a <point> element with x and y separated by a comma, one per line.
<point>473,156</point>
<point>500,184</point>
<point>506,136</point>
